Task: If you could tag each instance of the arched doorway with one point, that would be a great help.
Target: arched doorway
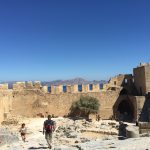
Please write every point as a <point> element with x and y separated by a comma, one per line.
<point>123,92</point>
<point>125,111</point>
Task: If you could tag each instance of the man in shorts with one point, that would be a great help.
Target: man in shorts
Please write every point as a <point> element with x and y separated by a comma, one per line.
<point>48,129</point>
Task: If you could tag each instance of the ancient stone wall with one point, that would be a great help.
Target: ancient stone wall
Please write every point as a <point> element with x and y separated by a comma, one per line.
<point>125,81</point>
<point>30,103</point>
<point>5,102</point>
<point>139,80</point>
<point>147,76</point>
<point>18,86</point>
<point>30,98</point>
<point>4,86</point>
<point>136,104</point>
<point>27,85</point>
<point>141,108</point>
<point>142,78</point>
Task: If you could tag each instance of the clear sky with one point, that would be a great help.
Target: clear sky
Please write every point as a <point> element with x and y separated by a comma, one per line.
<point>63,39</point>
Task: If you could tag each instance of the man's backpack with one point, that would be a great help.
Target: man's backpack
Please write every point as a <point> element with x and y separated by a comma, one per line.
<point>48,125</point>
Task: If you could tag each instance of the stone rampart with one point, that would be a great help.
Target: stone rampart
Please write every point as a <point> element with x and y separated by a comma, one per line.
<point>27,85</point>
<point>55,89</point>
<point>37,102</point>
<point>5,103</point>
<point>4,86</point>
<point>31,98</point>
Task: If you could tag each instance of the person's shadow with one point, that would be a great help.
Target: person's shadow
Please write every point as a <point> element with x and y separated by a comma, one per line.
<point>32,148</point>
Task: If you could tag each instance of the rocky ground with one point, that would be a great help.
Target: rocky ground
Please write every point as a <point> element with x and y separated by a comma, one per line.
<point>69,135</point>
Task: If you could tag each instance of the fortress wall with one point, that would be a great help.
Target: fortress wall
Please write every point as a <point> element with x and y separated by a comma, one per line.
<point>74,88</point>
<point>120,80</point>
<point>27,85</point>
<point>59,89</point>
<point>5,103</point>
<point>96,88</point>
<point>37,84</point>
<point>116,81</point>
<point>147,76</point>
<point>45,89</point>
<point>4,86</point>
<point>31,103</point>
<point>19,86</point>
<point>68,88</point>
<point>55,89</point>
<point>24,100</point>
<point>85,88</point>
<point>141,106</point>
<point>140,80</point>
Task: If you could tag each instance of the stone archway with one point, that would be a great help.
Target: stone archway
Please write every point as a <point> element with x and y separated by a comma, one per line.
<point>123,92</point>
<point>124,109</point>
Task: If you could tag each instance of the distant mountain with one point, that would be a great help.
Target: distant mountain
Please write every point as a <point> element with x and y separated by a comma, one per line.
<point>73,81</point>
<point>63,82</point>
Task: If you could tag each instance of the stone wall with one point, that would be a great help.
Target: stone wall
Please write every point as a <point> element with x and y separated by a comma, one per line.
<point>142,108</point>
<point>5,103</point>
<point>142,78</point>
<point>139,80</point>
<point>147,76</point>
<point>30,98</point>
<point>27,85</point>
<point>122,80</point>
<point>136,104</point>
<point>4,86</point>
<point>30,103</point>
<point>55,89</point>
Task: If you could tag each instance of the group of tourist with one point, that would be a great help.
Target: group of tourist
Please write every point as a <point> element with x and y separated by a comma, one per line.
<point>49,127</point>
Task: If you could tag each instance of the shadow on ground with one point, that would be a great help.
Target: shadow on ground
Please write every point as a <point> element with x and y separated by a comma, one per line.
<point>32,148</point>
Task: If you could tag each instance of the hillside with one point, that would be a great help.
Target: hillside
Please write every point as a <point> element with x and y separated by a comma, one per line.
<point>63,82</point>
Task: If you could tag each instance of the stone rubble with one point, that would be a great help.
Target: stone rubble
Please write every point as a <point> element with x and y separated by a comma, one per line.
<point>73,135</point>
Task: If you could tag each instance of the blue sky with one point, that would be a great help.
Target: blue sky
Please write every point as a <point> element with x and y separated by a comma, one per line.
<point>63,39</point>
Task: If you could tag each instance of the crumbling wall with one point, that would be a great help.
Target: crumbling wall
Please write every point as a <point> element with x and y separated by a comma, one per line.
<point>121,81</point>
<point>18,86</point>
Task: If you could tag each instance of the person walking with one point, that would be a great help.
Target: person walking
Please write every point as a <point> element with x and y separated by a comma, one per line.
<point>23,131</point>
<point>49,127</point>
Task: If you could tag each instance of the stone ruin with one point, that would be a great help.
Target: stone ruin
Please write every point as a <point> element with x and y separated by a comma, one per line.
<point>125,97</point>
